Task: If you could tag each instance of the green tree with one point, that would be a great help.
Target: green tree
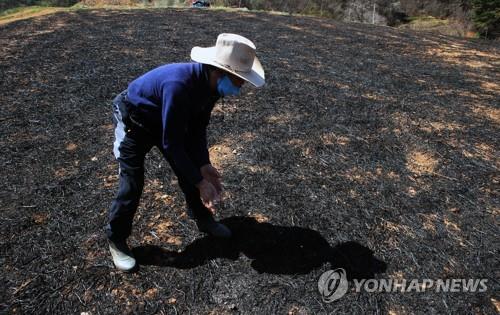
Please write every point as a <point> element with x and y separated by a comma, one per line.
<point>486,17</point>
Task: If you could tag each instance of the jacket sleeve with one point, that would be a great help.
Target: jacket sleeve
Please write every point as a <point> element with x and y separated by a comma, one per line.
<point>198,140</point>
<point>175,116</point>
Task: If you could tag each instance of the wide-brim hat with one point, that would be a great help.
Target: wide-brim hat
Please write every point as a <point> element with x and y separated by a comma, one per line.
<point>234,54</point>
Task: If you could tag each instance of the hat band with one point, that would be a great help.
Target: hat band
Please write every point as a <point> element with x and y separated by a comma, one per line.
<point>232,68</point>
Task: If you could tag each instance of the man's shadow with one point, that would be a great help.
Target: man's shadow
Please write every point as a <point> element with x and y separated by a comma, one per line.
<point>273,249</point>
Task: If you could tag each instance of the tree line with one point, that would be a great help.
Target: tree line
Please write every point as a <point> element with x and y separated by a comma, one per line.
<point>483,14</point>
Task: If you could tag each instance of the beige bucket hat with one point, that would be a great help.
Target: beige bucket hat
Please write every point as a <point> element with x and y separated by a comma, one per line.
<point>234,54</point>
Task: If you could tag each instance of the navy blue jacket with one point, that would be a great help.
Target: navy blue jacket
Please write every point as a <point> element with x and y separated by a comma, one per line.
<point>173,102</point>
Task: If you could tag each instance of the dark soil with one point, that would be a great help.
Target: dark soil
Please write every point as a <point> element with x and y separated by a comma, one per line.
<point>363,139</point>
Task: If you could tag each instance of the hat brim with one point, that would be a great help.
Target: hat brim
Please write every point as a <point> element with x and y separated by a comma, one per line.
<point>206,55</point>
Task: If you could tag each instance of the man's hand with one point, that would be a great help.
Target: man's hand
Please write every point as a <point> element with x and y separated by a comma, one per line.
<point>211,174</point>
<point>209,195</point>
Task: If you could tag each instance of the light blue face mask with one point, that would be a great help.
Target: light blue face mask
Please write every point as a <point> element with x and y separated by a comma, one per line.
<point>225,87</point>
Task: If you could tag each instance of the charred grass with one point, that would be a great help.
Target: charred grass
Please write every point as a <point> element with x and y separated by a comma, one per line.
<point>373,135</point>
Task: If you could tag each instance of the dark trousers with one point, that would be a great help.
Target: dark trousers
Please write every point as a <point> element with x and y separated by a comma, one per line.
<point>131,145</point>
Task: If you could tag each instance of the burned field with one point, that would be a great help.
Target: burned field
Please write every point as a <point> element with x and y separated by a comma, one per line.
<point>364,138</point>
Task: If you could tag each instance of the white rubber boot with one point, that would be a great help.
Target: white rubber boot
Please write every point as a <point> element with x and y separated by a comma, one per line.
<point>122,256</point>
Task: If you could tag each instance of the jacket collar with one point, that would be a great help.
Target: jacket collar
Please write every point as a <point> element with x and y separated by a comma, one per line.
<point>213,95</point>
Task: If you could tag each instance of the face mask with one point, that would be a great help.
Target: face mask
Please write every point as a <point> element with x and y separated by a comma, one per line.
<point>225,87</point>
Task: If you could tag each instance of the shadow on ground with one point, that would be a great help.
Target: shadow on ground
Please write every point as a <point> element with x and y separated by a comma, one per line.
<point>274,249</point>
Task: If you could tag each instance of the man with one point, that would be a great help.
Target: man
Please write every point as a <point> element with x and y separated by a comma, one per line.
<point>169,107</point>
